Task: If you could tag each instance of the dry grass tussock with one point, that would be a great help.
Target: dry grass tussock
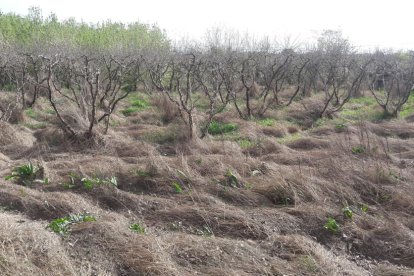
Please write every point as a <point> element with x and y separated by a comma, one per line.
<point>258,200</point>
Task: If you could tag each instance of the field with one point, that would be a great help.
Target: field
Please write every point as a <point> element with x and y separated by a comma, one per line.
<point>286,194</point>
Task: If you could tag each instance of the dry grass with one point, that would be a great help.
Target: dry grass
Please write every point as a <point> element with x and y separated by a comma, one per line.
<point>252,202</point>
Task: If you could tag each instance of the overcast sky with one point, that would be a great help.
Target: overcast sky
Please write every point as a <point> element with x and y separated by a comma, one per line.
<point>367,23</point>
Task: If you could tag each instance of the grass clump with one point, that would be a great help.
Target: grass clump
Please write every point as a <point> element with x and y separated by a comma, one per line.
<point>177,187</point>
<point>62,225</point>
<point>217,128</point>
<point>232,179</point>
<point>347,212</point>
<point>332,225</point>
<point>137,228</point>
<point>26,174</point>
<point>363,108</point>
<point>358,149</point>
<point>137,103</point>
<point>289,138</point>
<point>266,122</point>
<point>245,143</point>
<point>31,113</point>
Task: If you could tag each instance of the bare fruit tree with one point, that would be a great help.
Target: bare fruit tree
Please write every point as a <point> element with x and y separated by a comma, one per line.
<point>91,83</point>
<point>391,80</point>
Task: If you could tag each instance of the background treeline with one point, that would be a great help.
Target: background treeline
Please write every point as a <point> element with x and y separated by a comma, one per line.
<point>94,67</point>
<point>34,33</point>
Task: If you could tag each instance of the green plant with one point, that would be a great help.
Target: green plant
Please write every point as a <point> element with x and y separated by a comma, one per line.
<point>30,112</point>
<point>266,122</point>
<point>347,212</point>
<point>25,174</point>
<point>137,228</point>
<point>137,104</point>
<point>177,187</point>
<point>331,225</point>
<point>363,207</point>
<point>232,179</point>
<point>339,127</point>
<point>176,226</point>
<point>62,225</point>
<point>358,149</point>
<point>205,231</point>
<point>89,183</point>
<point>245,143</point>
<point>217,128</point>
<point>289,138</point>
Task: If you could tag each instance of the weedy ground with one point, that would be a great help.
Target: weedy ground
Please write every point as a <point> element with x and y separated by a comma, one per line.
<point>288,194</point>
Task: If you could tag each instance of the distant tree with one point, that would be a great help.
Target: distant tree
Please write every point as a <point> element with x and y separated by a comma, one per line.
<point>391,80</point>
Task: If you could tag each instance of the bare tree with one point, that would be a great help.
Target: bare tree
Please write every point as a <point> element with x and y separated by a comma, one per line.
<point>391,79</point>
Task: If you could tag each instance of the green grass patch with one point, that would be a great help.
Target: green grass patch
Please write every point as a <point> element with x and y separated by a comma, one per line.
<point>217,128</point>
<point>36,125</point>
<point>30,112</point>
<point>363,108</point>
<point>137,228</point>
<point>289,138</point>
<point>408,108</point>
<point>266,122</point>
<point>245,143</point>
<point>136,103</point>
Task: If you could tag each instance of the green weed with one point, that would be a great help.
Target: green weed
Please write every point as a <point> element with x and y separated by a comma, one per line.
<point>177,187</point>
<point>30,112</point>
<point>25,174</point>
<point>266,122</point>
<point>232,179</point>
<point>358,149</point>
<point>245,143</point>
<point>363,208</point>
<point>137,228</point>
<point>347,212</point>
<point>136,104</point>
<point>89,183</point>
<point>62,225</point>
<point>206,231</point>
<point>332,225</point>
<point>217,128</point>
<point>289,138</point>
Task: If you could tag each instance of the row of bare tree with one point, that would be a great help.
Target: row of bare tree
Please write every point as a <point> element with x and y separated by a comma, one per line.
<point>251,80</point>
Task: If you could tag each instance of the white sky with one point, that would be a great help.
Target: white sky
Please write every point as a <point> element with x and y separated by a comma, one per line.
<point>367,23</point>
